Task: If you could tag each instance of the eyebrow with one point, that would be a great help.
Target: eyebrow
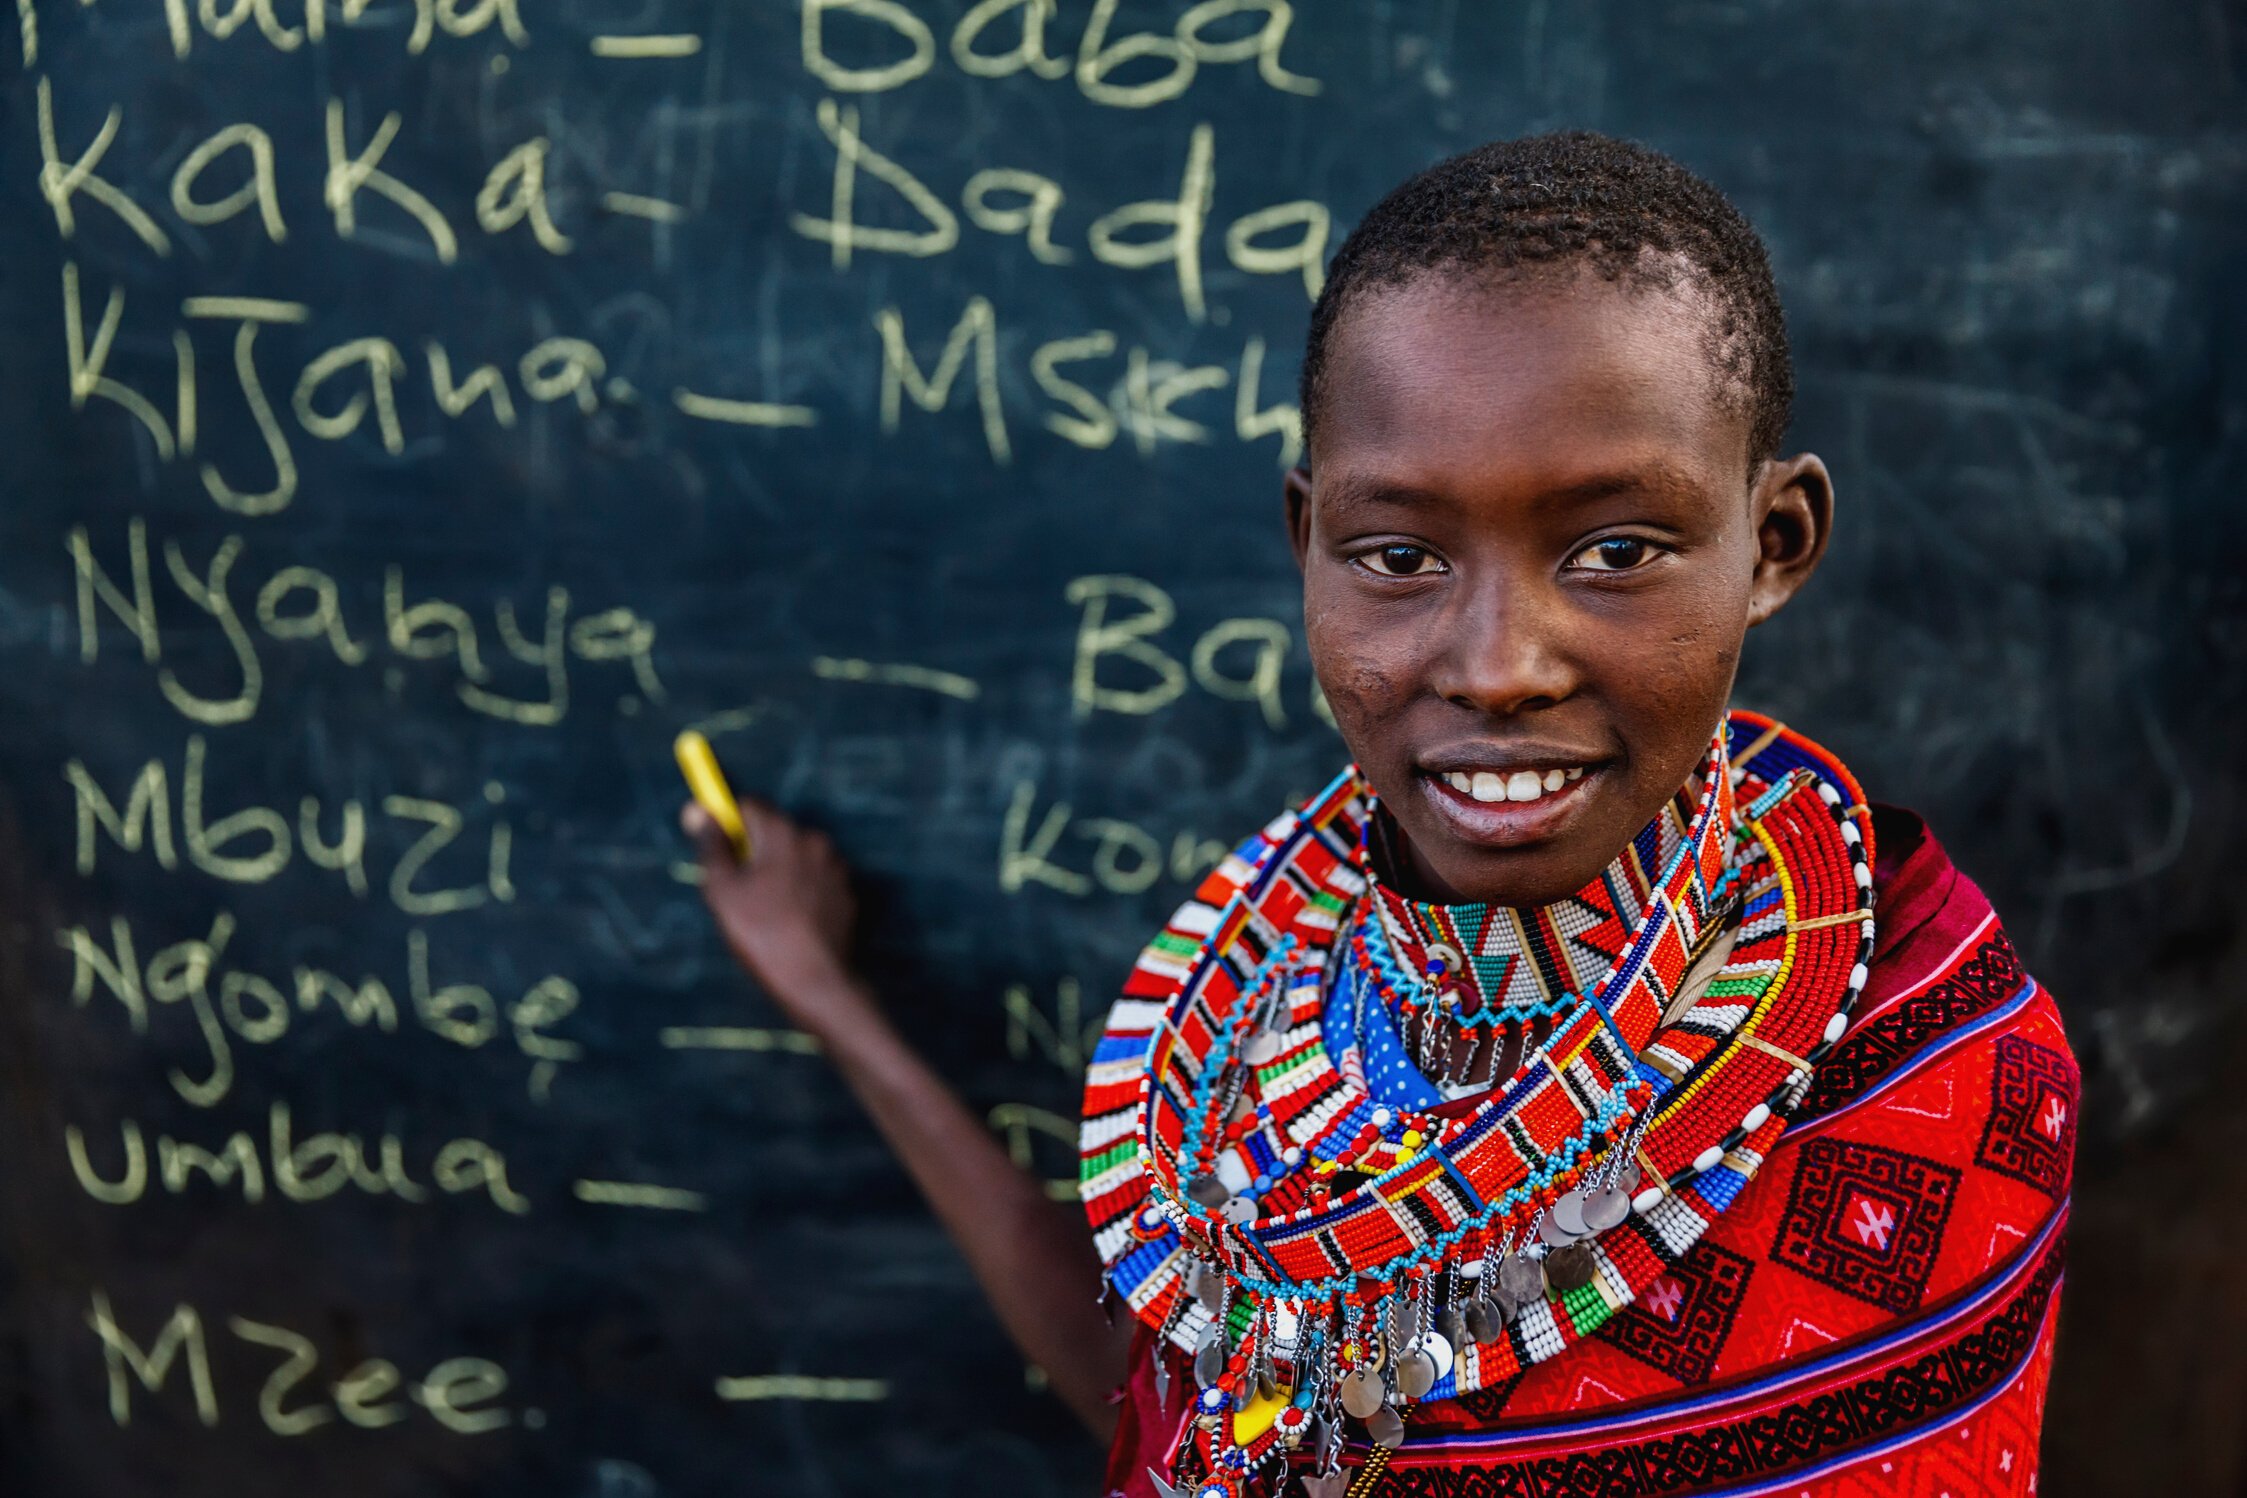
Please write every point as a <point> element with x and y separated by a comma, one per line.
<point>1352,493</point>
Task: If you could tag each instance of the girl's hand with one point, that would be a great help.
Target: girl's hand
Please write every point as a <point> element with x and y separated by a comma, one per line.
<point>785,912</point>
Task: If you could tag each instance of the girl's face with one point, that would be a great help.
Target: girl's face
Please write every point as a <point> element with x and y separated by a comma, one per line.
<point>1530,552</point>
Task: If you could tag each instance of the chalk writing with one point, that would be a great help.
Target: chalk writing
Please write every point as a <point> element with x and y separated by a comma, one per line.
<point>304,606</point>
<point>230,1004</point>
<point>457,1393</point>
<point>310,1168</point>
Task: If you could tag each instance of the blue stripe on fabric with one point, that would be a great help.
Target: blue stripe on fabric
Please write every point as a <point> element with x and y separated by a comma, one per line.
<point>1748,1394</point>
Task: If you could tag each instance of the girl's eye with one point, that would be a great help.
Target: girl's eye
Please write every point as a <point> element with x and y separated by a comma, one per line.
<point>1615,554</point>
<point>1402,561</point>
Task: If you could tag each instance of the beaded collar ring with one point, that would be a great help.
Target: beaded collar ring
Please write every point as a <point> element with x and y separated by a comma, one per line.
<point>1295,1179</point>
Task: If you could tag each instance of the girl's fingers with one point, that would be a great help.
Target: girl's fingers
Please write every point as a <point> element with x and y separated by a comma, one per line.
<point>709,841</point>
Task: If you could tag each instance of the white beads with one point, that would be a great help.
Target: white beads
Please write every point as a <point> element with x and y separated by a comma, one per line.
<point>1835,1026</point>
<point>1864,874</point>
<point>1850,834</point>
<point>1859,976</point>
<point>1647,1200</point>
<point>1757,1117</point>
<point>1708,1159</point>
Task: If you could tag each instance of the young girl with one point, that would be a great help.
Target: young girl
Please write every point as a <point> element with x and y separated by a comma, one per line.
<point>1587,1092</point>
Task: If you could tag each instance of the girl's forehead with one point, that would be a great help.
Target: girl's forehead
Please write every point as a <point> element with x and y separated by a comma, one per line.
<point>1438,377</point>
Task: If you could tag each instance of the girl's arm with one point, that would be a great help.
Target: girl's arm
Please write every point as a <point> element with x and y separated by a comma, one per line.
<point>786,915</point>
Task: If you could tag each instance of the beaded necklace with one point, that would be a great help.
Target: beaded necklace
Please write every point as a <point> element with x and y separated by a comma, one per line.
<point>1323,1255</point>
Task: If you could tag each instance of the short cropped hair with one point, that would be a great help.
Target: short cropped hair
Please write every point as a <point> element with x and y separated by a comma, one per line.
<point>1518,209</point>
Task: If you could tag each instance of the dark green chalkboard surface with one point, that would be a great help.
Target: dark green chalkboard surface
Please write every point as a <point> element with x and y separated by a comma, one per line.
<point>413,413</point>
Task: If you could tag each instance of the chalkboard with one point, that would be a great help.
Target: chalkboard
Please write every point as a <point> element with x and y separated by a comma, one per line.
<point>416,412</point>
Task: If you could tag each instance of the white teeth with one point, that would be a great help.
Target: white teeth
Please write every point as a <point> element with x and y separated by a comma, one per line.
<point>1517,785</point>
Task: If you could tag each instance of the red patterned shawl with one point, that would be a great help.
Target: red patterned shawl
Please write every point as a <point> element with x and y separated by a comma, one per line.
<point>1872,1315</point>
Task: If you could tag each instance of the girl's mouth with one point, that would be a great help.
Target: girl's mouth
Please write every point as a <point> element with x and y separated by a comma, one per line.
<point>1503,808</point>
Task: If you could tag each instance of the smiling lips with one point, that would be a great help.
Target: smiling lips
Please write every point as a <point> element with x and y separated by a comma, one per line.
<point>1518,785</point>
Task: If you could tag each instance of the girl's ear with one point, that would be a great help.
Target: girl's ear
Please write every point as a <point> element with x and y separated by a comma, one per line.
<point>1298,488</point>
<point>1792,506</point>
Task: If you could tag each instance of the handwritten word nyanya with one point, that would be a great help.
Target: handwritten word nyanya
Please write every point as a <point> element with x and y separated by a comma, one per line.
<point>302,607</point>
<point>229,1003</point>
<point>456,1393</point>
<point>309,1169</point>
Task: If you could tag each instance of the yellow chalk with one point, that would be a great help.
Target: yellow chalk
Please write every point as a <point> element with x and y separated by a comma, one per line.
<point>698,762</point>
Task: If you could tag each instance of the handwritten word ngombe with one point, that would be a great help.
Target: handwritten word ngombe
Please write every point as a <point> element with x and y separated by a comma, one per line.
<point>456,1393</point>
<point>229,1003</point>
<point>303,607</point>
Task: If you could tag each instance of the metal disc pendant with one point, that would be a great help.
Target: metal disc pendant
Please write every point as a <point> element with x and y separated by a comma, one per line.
<point>1436,1346</point>
<point>1385,1427</point>
<point>1606,1208</point>
<point>1416,1374</point>
<point>1570,1268</point>
<point>1209,1362</point>
<point>1208,1190</point>
<point>1240,1211</point>
<point>1456,1328</point>
<point>1568,1211</point>
<point>1627,1180</point>
<point>1262,1049</point>
<point>1554,1233</point>
<point>1520,1279</point>
<point>1207,1285</point>
<point>1476,1322</point>
<point>1361,1393</point>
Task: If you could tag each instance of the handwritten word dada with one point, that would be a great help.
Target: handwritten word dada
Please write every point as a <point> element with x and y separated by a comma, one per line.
<point>308,1169</point>
<point>1170,231</point>
<point>889,45</point>
<point>302,606</point>
<point>456,1393</point>
<point>229,1003</point>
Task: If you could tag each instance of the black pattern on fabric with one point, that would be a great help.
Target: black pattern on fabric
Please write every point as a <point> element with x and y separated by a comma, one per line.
<point>1869,1053</point>
<point>1816,1428</point>
<point>2031,1132</point>
<point>1866,1220</point>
